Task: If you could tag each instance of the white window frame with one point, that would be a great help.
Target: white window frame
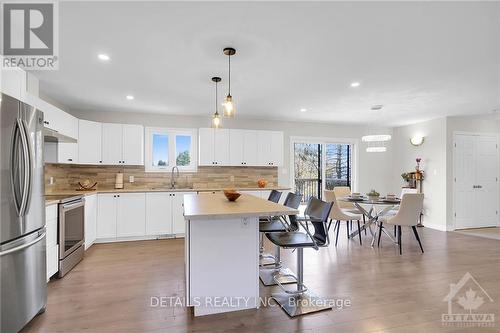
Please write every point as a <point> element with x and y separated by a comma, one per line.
<point>171,133</point>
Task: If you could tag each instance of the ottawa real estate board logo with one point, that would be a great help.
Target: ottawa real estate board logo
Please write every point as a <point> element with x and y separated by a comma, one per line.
<point>30,38</point>
<point>468,305</point>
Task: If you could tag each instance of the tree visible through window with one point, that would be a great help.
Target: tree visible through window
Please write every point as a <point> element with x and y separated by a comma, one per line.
<point>319,166</point>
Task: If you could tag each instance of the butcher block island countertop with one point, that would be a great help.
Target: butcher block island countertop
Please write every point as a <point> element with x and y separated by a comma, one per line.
<point>213,206</point>
<point>222,250</point>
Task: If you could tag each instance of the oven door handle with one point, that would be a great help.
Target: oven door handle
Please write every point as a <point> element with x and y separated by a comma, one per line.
<point>73,205</point>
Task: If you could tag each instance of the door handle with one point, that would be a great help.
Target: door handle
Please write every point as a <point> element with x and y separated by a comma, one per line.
<point>27,167</point>
<point>19,248</point>
<point>14,154</point>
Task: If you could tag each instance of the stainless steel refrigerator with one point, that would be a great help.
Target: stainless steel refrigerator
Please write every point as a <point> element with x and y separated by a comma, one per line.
<point>23,268</point>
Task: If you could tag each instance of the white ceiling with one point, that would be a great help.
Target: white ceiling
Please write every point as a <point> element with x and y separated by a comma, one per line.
<point>420,60</point>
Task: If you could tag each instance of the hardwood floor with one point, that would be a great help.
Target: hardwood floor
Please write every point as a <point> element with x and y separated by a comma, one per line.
<point>111,290</point>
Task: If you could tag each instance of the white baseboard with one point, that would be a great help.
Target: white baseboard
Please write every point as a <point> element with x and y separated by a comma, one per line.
<point>136,238</point>
<point>436,227</point>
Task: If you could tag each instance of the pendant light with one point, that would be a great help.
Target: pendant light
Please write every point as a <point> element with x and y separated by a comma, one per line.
<point>216,121</point>
<point>229,107</point>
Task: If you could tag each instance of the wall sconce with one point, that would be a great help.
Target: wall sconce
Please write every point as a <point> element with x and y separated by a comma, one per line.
<point>417,140</point>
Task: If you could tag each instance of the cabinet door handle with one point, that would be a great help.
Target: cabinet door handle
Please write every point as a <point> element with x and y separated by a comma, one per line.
<point>100,161</point>
<point>70,159</point>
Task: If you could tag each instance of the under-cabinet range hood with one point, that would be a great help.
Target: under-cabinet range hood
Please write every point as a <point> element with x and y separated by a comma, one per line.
<point>51,135</point>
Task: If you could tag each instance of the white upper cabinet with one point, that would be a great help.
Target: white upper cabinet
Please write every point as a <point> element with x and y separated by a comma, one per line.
<point>133,145</point>
<point>270,148</point>
<point>221,149</point>
<point>13,82</point>
<point>250,147</point>
<point>236,142</point>
<point>243,147</point>
<point>67,153</point>
<point>122,144</point>
<point>112,141</point>
<point>89,142</point>
<point>214,146</point>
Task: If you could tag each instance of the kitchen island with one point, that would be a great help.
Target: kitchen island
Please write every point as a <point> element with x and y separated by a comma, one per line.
<point>222,251</point>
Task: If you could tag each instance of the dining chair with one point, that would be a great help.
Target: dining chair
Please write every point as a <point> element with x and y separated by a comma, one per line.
<point>345,191</point>
<point>394,210</point>
<point>407,215</point>
<point>337,214</point>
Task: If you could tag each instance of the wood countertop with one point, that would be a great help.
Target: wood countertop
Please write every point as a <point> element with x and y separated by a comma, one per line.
<point>213,206</point>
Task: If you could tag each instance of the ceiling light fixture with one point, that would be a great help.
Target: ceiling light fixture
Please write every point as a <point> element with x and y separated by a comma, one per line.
<point>216,121</point>
<point>129,97</point>
<point>103,57</point>
<point>355,84</point>
<point>376,138</point>
<point>377,149</point>
<point>303,110</point>
<point>229,108</point>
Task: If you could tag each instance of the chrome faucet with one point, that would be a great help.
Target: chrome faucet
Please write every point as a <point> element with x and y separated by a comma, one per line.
<point>173,178</point>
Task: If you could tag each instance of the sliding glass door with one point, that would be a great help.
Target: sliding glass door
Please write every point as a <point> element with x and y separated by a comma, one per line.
<point>319,166</point>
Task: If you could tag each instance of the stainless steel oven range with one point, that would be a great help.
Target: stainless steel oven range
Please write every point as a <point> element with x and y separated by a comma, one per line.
<point>71,233</point>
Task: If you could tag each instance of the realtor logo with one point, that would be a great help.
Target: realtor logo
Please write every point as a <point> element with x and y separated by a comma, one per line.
<point>470,297</point>
<point>29,31</point>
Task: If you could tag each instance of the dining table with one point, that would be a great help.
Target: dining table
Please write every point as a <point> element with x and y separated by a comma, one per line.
<point>372,209</point>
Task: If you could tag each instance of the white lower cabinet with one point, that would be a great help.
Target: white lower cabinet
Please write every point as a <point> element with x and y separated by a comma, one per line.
<point>158,213</point>
<point>52,249</point>
<point>125,215</point>
<point>178,222</point>
<point>165,213</point>
<point>106,215</point>
<point>131,215</point>
<point>121,215</point>
<point>90,220</point>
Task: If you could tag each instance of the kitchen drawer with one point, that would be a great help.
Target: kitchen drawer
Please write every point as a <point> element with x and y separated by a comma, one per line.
<point>51,228</point>
<point>51,212</point>
<point>52,260</point>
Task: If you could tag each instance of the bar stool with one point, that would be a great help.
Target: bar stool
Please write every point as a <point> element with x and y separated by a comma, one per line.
<point>269,275</point>
<point>267,258</point>
<point>302,301</point>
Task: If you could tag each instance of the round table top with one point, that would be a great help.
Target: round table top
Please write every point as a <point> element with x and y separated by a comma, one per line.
<point>365,200</point>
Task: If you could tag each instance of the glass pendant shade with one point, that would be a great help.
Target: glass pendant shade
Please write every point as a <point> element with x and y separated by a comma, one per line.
<point>216,123</point>
<point>229,107</point>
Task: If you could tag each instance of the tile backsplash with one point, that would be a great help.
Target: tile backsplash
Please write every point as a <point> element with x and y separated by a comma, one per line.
<point>66,177</point>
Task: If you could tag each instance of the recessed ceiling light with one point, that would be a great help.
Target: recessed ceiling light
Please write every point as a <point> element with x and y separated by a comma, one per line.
<point>103,57</point>
<point>303,110</point>
<point>355,84</point>
<point>377,107</point>
<point>129,97</point>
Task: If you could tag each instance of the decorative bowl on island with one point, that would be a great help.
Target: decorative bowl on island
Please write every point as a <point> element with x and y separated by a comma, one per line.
<point>231,194</point>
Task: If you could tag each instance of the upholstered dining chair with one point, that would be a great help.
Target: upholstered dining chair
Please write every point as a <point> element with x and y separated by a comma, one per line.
<point>407,215</point>
<point>337,214</point>
<point>394,211</point>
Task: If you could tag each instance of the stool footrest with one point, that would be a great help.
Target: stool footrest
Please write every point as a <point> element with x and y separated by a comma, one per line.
<point>268,276</point>
<point>307,302</point>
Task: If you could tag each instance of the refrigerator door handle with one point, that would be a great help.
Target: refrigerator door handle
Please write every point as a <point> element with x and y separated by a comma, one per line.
<point>20,247</point>
<point>28,163</point>
<point>14,154</point>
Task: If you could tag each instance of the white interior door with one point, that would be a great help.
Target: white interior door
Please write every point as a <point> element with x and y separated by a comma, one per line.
<point>476,181</point>
<point>487,180</point>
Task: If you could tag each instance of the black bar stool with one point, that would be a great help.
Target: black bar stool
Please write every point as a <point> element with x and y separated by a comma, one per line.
<point>269,275</point>
<point>267,258</point>
<point>302,301</point>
